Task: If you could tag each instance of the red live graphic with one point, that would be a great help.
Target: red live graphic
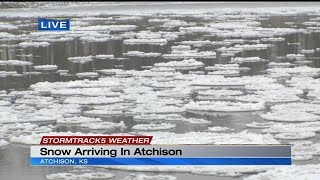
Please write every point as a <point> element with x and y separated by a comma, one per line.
<point>84,140</point>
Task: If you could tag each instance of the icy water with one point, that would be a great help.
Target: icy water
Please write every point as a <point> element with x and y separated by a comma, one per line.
<point>118,79</point>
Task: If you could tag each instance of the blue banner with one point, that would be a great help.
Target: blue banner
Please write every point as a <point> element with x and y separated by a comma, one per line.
<point>157,161</point>
<point>53,25</point>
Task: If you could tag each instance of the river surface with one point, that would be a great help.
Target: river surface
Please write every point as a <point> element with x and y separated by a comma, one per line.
<point>14,158</point>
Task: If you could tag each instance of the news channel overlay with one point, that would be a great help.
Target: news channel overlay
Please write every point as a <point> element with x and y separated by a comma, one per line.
<point>138,150</point>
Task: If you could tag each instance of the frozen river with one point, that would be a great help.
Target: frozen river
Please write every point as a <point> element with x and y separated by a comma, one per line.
<point>208,73</point>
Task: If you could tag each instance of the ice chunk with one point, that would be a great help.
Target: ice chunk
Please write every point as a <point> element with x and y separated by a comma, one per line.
<point>290,116</point>
<point>154,127</point>
<point>298,172</point>
<point>3,142</point>
<point>83,176</point>
<point>181,65</point>
<point>92,100</point>
<point>34,44</point>
<point>146,177</point>
<point>46,67</point>
<point>295,135</point>
<point>224,106</point>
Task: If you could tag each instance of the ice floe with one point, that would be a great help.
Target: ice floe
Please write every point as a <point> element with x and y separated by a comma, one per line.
<point>92,100</point>
<point>77,120</point>
<point>219,129</point>
<point>298,172</point>
<point>181,65</point>
<point>148,177</point>
<point>98,125</point>
<point>46,67</point>
<point>3,142</point>
<point>153,127</point>
<point>224,106</point>
<point>83,176</point>
<point>295,135</point>
<point>141,54</point>
<point>160,42</point>
<point>290,116</point>
<point>189,54</point>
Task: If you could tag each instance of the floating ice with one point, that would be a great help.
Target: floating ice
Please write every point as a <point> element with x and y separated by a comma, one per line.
<point>181,65</point>
<point>278,39</point>
<point>275,64</point>
<point>3,142</point>
<point>92,100</point>
<point>177,23</point>
<point>45,67</point>
<point>181,48</point>
<point>206,42</point>
<point>5,103</point>
<point>141,54</point>
<point>218,94</point>
<point>87,74</point>
<point>259,125</point>
<point>298,172</point>
<point>78,120</point>
<point>307,51</point>
<point>34,44</point>
<point>84,92</point>
<point>146,177</point>
<point>158,117</point>
<point>243,137</point>
<point>295,135</point>
<point>15,63</point>
<point>195,121</point>
<point>105,28</point>
<point>97,125</point>
<point>295,56</point>
<point>104,56</point>
<point>290,116</point>
<point>160,42</point>
<point>224,106</point>
<point>232,171</point>
<point>84,176</point>
<point>153,127</point>
<point>298,107</point>
<point>220,67</point>
<point>219,129</point>
<point>189,54</point>
<point>158,20</point>
<point>217,81</point>
<point>7,26</point>
<point>247,59</point>
<point>269,97</point>
<point>81,60</point>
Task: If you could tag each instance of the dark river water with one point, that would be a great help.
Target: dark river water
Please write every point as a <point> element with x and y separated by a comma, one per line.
<point>14,158</point>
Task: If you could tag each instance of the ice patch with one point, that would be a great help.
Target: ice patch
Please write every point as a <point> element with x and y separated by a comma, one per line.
<point>160,42</point>
<point>290,116</point>
<point>153,127</point>
<point>301,172</point>
<point>219,129</point>
<point>3,142</point>
<point>224,106</point>
<point>78,120</point>
<point>97,125</point>
<point>141,54</point>
<point>181,65</point>
<point>295,135</point>
<point>92,100</point>
<point>146,177</point>
<point>84,176</point>
<point>46,67</point>
<point>34,44</point>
